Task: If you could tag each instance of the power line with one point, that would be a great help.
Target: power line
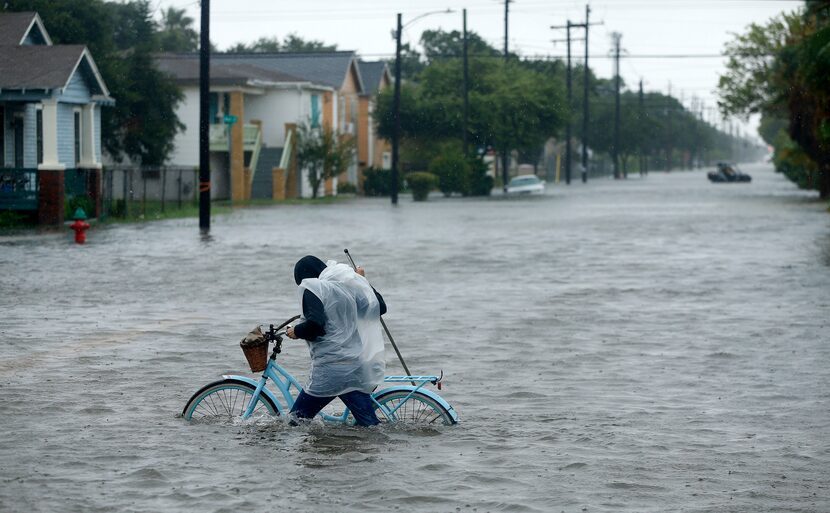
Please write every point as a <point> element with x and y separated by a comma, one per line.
<point>592,56</point>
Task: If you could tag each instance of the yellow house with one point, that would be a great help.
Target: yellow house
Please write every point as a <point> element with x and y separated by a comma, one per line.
<point>372,151</point>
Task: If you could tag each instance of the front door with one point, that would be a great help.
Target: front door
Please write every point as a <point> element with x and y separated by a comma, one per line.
<point>17,127</point>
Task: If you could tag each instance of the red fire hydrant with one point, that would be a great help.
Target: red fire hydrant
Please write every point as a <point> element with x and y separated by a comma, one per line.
<point>80,226</point>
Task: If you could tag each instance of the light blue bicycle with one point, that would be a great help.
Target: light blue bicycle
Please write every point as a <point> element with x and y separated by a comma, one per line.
<point>242,397</point>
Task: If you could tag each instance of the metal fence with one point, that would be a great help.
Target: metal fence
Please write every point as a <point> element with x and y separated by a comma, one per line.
<point>18,189</point>
<point>147,192</point>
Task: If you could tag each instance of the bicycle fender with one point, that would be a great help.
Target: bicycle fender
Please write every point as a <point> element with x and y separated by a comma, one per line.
<point>255,383</point>
<point>432,395</point>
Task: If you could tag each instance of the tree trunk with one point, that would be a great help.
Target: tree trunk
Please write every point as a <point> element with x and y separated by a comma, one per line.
<point>824,182</point>
<point>314,180</point>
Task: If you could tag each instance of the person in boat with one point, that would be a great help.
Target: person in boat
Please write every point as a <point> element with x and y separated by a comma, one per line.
<point>341,325</point>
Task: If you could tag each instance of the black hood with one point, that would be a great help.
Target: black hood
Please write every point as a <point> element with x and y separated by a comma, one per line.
<point>308,267</point>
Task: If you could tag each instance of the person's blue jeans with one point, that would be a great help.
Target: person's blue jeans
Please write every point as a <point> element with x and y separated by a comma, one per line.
<point>359,403</point>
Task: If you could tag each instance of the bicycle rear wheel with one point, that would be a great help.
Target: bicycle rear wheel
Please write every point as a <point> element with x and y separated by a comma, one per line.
<point>419,409</point>
<point>226,399</point>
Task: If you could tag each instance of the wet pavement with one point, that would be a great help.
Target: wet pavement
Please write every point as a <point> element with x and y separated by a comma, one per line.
<point>657,344</point>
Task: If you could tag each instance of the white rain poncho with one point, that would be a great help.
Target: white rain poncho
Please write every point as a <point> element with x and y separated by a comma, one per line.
<point>350,356</point>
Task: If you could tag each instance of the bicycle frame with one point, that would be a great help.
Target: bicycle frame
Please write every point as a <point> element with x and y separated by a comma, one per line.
<point>284,381</point>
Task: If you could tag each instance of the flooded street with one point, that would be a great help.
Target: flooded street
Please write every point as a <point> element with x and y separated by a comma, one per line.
<point>657,344</point>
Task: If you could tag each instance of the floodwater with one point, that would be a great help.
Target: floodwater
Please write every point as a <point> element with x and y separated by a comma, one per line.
<point>656,344</point>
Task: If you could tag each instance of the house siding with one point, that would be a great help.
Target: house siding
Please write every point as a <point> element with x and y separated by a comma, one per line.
<point>275,108</point>
<point>98,141</point>
<point>186,143</point>
<point>66,135</point>
<point>30,136</point>
<point>77,91</point>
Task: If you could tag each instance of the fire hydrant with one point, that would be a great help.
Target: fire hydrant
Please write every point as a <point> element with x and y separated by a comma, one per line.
<point>80,226</point>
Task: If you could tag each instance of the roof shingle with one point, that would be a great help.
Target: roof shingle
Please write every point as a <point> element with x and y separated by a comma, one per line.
<point>184,68</point>
<point>371,72</point>
<point>324,68</point>
<point>13,27</point>
<point>46,67</point>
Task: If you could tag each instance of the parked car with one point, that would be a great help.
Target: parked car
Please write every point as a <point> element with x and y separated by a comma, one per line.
<point>525,184</point>
<point>727,172</point>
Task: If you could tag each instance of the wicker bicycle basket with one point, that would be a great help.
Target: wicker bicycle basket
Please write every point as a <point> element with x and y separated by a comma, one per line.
<point>255,348</point>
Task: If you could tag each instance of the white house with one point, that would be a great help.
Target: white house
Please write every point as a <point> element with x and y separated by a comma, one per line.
<point>252,110</point>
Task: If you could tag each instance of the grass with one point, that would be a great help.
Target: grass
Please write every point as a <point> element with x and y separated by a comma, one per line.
<point>151,210</point>
<point>13,222</point>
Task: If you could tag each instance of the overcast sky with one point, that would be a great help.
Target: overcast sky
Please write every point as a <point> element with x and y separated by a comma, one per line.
<point>648,27</point>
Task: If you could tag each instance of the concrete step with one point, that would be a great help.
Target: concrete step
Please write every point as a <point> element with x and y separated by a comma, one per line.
<point>263,185</point>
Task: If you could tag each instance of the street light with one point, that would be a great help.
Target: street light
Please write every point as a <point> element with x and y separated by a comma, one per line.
<point>396,109</point>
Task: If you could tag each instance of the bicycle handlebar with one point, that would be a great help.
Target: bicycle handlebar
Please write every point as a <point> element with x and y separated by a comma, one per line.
<point>289,321</point>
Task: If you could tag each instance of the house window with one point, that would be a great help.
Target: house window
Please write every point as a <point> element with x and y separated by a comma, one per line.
<point>77,137</point>
<point>39,135</point>
<point>315,111</point>
<point>17,129</point>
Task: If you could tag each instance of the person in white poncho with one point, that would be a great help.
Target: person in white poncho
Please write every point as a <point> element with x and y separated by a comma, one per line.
<point>341,324</point>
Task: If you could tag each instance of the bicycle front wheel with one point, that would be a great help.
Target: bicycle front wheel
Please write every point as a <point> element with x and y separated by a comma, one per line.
<point>419,409</point>
<point>226,400</point>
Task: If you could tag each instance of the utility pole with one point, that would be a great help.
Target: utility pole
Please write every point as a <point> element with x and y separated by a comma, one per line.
<point>585,102</point>
<point>466,86</point>
<point>616,153</point>
<point>643,158</point>
<point>505,159</point>
<point>569,82</point>
<point>703,148</point>
<point>396,110</point>
<point>204,112</point>
<point>695,153</point>
<point>568,27</point>
<point>669,138</point>
<point>568,156</point>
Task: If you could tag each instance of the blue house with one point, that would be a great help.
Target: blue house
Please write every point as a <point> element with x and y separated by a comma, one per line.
<point>50,120</point>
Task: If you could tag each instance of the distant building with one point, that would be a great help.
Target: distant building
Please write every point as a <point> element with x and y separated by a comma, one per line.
<point>269,94</point>
<point>373,151</point>
<point>50,115</point>
<point>252,110</point>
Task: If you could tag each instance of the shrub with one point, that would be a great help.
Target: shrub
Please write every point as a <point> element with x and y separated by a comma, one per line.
<point>451,169</point>
<point>376,181</point>
<point>477,182</point>
<point>72,203</point>
<point>346,188</point>
<point>420,184</point>
<point>12,219</point>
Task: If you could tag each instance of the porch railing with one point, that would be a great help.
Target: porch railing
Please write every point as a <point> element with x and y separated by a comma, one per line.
<point>219,137</point>
<point>18,189</point>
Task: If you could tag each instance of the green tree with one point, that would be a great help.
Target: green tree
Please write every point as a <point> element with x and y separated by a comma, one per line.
<point>291,43</point>
<point>176,32</point>
<point>451,169</point>
<point>511,107</point>
<point>121,38</point>
<point>322,154</point>
<point>439,45</point>
<point>779,70</point>
<point>411,63</point>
